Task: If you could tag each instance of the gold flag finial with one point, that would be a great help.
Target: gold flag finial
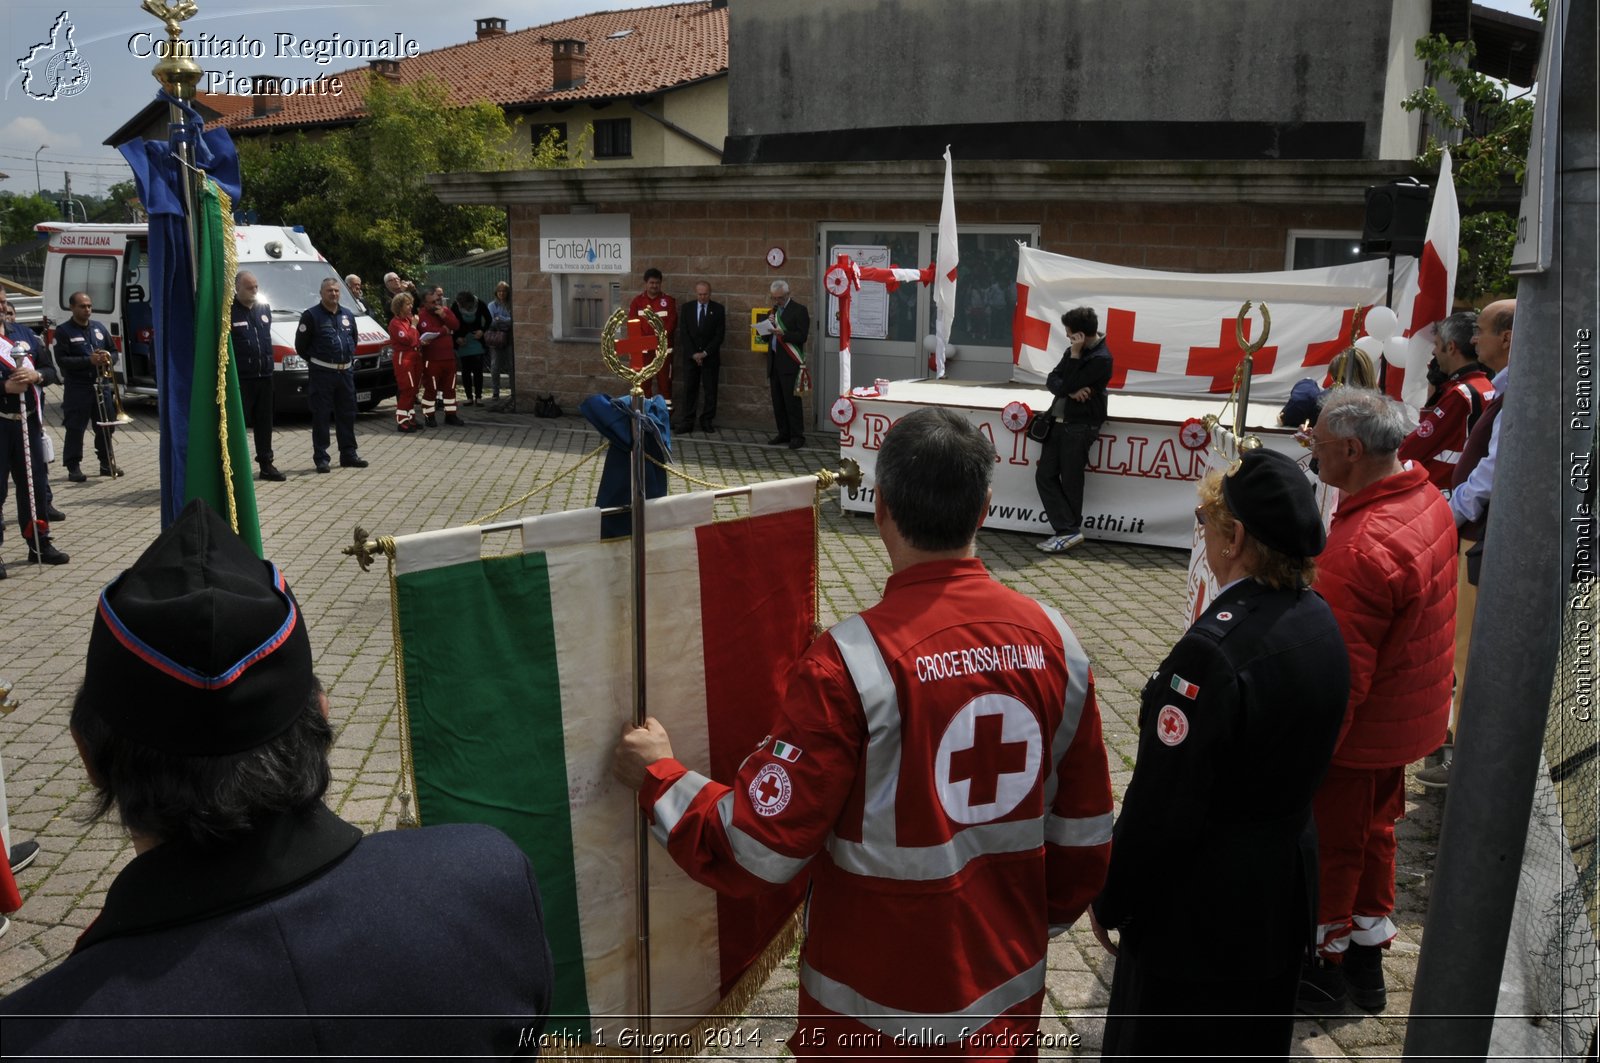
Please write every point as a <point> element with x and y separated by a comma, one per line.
<point>177,71</point>
<point>608,347</point>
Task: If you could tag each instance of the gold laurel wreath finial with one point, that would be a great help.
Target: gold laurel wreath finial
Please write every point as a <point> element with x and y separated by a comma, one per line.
<point>1248,346</point>
<point>608,347</point>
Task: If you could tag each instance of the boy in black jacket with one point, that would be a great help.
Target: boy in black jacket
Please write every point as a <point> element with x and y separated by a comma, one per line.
<point>1078,383</point>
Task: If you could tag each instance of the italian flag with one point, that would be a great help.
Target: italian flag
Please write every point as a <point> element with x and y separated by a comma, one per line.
<point>516,684</point>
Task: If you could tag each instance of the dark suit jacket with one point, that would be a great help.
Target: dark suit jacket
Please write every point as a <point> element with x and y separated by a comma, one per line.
<point>307,938</point>
<point>693,337</point>
<point>1217,818</point>
<point>796,329</point>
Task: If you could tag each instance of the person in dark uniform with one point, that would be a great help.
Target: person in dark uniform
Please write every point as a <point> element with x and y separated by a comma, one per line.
<point>701,327</point>
<point>326,339</point>
<point>252,353</point>
<point>791,324</point>
<point>251,915</point>
<point>1213,871</point>
<point>21,411</point>
<point>21,335</point>
<point>83,347</point>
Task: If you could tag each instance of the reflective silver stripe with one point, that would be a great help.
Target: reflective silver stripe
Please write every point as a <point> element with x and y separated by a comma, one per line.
<point>1087,830</point>
<point>860,653</point>
<point>341,366</point>
<point>752,855</point>
<point>1077,697</point>
<point>670,806</point>
<point>1451,456</point>
<point>929,862</point>
<point>843,1000</point>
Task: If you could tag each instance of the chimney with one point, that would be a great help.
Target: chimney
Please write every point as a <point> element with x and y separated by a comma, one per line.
<point>386,68</point>
<point>568,62</point>
<point>491,27</point>
<point>265,96</point>
<point>718,5</point>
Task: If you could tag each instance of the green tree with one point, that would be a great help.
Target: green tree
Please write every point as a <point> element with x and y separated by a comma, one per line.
<point>19,214</point>
<point>1490,129</point>
<point>362,192</point>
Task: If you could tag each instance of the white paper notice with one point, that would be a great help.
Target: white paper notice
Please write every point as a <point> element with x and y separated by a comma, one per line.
<point>869,307</point>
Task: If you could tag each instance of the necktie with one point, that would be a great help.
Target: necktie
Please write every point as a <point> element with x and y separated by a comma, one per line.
<point>702,320</point>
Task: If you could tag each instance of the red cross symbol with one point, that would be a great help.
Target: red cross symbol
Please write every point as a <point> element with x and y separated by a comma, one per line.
<point>1027,331</point>
<point>1169,723</point>
<point>1126,352</point>
<point>1220,361</point>
<point>639,344</point>
<point>1322,353</point>
<point>768,789</point>
<point>989,754</point>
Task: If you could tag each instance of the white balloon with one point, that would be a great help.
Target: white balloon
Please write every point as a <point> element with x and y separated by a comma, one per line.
<point>1397,349</point>
<point>1382,323</point>
<point>1372,345</point>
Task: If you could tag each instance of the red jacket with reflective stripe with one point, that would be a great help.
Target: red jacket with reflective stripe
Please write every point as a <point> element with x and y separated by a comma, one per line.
<point>950,813</point>
<point>1441,434</point>
<point>1389,574</point>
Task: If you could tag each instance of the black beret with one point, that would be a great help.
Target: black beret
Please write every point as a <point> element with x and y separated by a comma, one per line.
<point>199,648</point>
<point>1271,497</point>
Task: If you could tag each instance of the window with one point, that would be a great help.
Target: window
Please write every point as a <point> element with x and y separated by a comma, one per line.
<point>1309,249</point>
<point>546,129</point>
<point>613,138</point>
<point>583,302</point>
<point>95,274</point>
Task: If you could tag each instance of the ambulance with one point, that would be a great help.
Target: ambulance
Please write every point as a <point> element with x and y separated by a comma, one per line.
<point>112,264</point>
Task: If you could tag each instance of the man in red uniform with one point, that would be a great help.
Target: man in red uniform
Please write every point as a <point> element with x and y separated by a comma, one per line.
<point>1389,575</point>
<point>1454,406</point>
<point>666,307</point>
<point>936,767</point>
<point>437,323</point>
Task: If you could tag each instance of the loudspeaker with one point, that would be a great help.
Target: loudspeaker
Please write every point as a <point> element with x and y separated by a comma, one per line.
<point>1397,219</point>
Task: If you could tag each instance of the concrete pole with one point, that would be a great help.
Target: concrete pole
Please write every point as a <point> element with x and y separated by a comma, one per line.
<point>1524,590</point>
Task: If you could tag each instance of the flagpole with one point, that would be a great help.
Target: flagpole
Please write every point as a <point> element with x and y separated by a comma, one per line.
<point>178,74</point>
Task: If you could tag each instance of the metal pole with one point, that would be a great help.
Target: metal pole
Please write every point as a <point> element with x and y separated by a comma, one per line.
<point>38,182</point>
<point>641,830</point>
<point>1244,394</point>
<point>1524,588</point>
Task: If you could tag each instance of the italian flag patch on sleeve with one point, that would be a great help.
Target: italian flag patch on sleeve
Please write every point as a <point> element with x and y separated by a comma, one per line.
<point>1184,687</point>
<point>784,751</point>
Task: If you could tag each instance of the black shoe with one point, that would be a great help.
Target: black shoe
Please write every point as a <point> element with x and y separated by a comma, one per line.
<point>428,420</point>
<point>54,515</point>
<point>23,854</point>
<point>2,570</point>
<point>454,419</point>
<point>270,471</point>
<point>797,442</point>
<point>110,469</point>
<point>1363,974</point>
<point>322,466</point>
<point>49,555</point>
<point>707,427</point>
<point>684,430</point>
<point>1322,988</point>
<point>357,462</point>
<point>777,441</point>
<point>76,475</point>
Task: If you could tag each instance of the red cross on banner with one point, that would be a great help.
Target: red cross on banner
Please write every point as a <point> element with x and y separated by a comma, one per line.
<point>1322,352</point>
<point>989,754</point>
<point>1126,352</point>
<point>1027,331</point>
<point>639,344</point>
<point>1219,362</point>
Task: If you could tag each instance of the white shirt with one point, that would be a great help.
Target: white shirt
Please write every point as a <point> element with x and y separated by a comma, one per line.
<point>1468,501</point>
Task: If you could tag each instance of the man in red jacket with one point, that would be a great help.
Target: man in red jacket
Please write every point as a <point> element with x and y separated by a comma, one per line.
<point>1389,574</point>
<point>1455,404</point>
<point>936,768</point>
<point>437,324</point>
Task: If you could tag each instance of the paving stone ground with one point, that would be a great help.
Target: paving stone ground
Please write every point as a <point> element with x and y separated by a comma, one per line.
<point>1125,602</point>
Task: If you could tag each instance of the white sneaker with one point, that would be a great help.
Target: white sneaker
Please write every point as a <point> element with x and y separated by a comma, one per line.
<point>1060,544</point>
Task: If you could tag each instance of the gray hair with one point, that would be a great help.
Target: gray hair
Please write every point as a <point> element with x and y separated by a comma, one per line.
<point>1379,422</point>
<point>241,275</point>
<point>778,288</point>
<point>1457,329</point>
<point>353,279</point>
<point>391,276</point>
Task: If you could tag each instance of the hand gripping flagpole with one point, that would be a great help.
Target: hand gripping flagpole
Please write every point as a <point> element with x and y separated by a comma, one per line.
<point>635,378</point>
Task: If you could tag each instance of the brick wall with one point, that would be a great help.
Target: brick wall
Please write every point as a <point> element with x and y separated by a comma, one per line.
<point>725,244</point>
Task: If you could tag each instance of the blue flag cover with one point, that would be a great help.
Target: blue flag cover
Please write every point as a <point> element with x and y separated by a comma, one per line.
<point>158,173</point>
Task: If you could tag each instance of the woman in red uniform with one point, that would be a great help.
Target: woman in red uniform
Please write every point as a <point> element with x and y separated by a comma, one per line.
<point>407,348</point>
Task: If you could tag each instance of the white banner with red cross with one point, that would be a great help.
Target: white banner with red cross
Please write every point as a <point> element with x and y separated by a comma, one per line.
<point>1176,333</point>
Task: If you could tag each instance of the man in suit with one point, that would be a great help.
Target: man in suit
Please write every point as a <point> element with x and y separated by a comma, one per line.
<point>786,361</point>
<point>700,332</point>
<point>251,915</point>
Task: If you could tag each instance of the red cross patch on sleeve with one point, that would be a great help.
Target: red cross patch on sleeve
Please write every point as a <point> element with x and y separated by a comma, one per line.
<point>1172,726</point>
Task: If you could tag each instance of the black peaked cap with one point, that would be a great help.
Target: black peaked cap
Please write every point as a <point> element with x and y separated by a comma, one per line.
<point>1271,497</point>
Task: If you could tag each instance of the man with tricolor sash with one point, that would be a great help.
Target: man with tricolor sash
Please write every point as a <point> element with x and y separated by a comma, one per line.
<point>935,766</point>
<point>787,376</point>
